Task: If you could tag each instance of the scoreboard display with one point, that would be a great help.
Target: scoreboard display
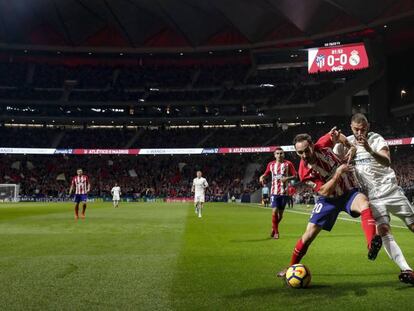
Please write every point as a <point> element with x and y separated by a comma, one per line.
<point>338,58</point>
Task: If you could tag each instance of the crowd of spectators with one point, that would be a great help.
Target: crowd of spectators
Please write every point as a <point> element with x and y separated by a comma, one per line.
<point>161,91</point>
<point>155,176</point>
<point>163,176</point>
<point>403,163</point>
<point>160,176</point>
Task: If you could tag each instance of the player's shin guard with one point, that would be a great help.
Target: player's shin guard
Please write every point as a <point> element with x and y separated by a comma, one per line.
<point>299,251</point>
<point>394,252</point>
<point>368,225</point>
<point>275,223</point>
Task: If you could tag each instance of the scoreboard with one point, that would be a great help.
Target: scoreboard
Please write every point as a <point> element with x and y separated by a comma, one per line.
<point>338,58</point>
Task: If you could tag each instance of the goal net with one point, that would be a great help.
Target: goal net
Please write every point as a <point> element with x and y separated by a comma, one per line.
<point>9,193</point>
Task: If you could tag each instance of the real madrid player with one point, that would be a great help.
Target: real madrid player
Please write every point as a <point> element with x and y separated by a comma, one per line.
<point>116,195</point>
<point>378,181</point>
<point>199,189</point>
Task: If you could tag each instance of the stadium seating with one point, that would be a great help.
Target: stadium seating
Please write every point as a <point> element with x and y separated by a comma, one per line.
<point>162,174</point>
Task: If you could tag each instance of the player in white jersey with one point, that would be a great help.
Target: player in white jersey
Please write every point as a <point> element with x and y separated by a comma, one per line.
<point>377,179</point>
<point>116,195</point>
<point>199,189</point>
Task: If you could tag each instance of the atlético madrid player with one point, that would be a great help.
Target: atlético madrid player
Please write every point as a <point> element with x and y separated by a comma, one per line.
<point>336,185</point>
<point>81,184</point>
<point>282,172</point>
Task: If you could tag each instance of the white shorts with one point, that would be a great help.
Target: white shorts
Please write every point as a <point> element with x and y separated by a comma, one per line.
<point>115,198</point>
<point>396,203</point>
<point>199,198</point>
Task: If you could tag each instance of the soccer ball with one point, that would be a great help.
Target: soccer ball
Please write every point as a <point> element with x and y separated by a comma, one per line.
<point>298,276</point>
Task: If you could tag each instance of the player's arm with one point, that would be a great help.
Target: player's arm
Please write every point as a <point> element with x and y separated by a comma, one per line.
<point>267,172</point>
<point>329,187</point>
<point>292,173</point>
<point>287,178</point>
<point>88,187</point>
<point>193,187</point>
<point>71,187</point>
<point>205,184</point>
<point>329,139</point>
<point>382,156</point>
<point>351,149</point>
<point>290,178</point>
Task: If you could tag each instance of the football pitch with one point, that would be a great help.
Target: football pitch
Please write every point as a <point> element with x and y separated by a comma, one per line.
<point>160,256</point>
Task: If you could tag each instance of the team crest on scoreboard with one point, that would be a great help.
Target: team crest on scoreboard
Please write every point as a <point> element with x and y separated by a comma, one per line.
<point>320,60</point>
<point>354,59</point>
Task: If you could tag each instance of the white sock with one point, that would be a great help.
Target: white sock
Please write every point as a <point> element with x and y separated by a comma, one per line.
<point>394,252</point>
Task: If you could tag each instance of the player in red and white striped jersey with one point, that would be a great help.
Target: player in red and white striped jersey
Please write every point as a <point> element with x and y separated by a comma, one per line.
<point>282,172</point>
<point>335,184</point>
<point>82,186</point>
<point>316,169</point>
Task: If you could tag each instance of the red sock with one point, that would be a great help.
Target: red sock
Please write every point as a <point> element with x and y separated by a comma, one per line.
<point>275,223</point>
<point>368,225</point>
<point>298,253</point>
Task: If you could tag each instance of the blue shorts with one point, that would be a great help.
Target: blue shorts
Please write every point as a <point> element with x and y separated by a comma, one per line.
<point>80,198</point>
<point>278,201</point>
<point>326,210</point>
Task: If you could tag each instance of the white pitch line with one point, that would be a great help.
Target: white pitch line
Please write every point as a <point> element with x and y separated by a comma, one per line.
<point>305,213</point>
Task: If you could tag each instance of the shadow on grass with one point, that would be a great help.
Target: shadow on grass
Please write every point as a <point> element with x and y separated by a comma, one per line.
<point>265,291</point>
<point>356,274</point>
<point>251,240</point>
<point>321,290</point>
<point>71,268</point>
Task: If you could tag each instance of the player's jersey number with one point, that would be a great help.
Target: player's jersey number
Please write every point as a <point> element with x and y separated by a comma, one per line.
<point>317,209</point>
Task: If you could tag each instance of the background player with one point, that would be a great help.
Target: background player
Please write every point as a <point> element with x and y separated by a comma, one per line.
<point>265,195</point>
<point>116,195</point>
<point>378,181</point>
<point>282,172</point>
<point>82,186</point>
<point>199,189</point>
<point>291,193</point>
<point>323,171</point>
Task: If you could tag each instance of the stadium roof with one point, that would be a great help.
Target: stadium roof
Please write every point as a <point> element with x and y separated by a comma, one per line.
<point>187,24</point>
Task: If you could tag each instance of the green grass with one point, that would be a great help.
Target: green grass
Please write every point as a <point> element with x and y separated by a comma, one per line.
<point>161,257</point>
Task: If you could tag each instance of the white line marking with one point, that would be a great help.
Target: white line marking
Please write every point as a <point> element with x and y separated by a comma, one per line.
<point>308,214</point>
